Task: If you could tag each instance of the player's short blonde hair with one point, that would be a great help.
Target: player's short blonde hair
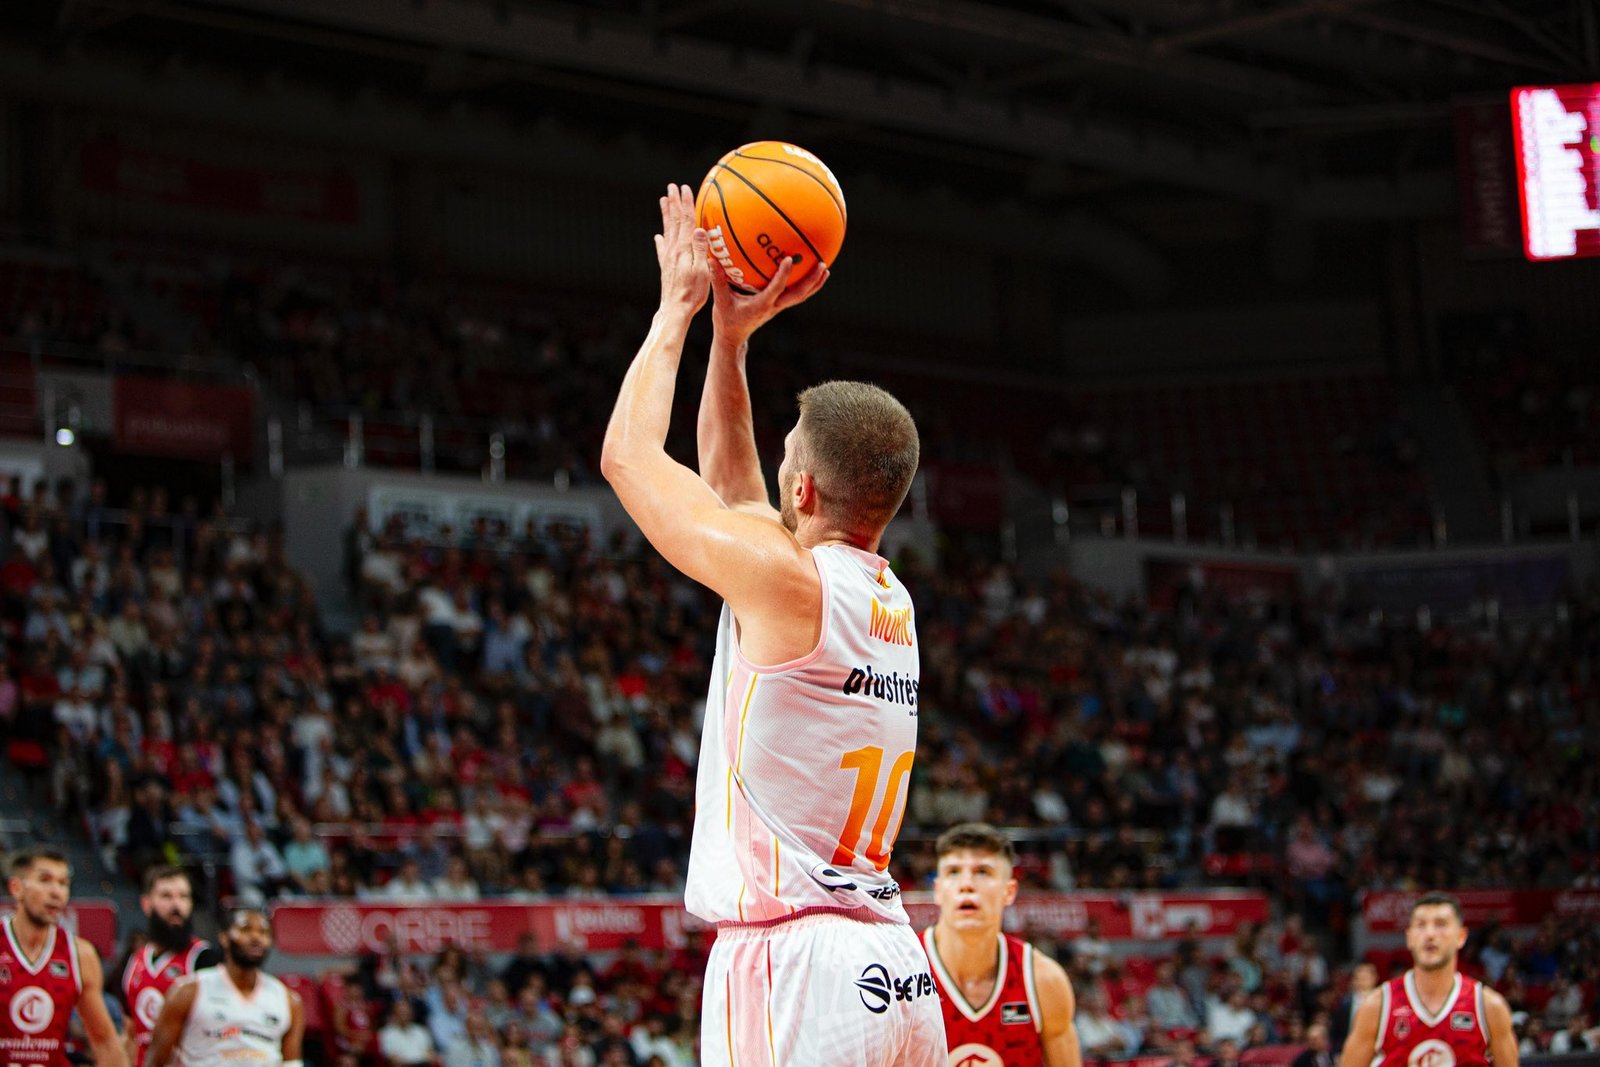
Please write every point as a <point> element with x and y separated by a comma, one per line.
<point>976,837</point>
<point>861,446</point>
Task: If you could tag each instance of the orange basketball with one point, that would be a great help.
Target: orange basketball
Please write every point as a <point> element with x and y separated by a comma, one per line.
<point>769,200</point>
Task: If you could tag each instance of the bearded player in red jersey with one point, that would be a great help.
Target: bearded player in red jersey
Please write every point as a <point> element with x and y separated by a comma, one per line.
<point>1005,1005</point>
<point>170,952</point>
<point>1433,1015</point>
<point>46,973</point>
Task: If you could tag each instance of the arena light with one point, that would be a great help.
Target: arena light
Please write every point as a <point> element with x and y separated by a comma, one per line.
<point>65,437</point>
<point>1556,131</point>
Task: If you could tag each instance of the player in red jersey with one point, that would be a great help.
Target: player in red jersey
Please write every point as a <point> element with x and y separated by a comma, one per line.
<point>1433,1015</point>
<point>46,973</point>
<point>1005,1005</point>
<point>170,951</point>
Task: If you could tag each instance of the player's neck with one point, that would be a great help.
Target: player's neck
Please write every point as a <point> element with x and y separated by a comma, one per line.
<point>31,936</point>
<point>822,538</point>
<point>968,955</point>
<point>243,978</point>
<point>1434,985</point>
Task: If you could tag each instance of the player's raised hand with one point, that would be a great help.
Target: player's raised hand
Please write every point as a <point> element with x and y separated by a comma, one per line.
<point>738,315</point>
<point>682,251</point>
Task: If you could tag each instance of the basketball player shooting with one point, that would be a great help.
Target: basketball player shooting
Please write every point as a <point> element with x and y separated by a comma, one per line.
<point>811,720</point>
<point>1433,1015</point>
<point>1005,1003</point>
<point>46,973</point>
<point>235,1013</point>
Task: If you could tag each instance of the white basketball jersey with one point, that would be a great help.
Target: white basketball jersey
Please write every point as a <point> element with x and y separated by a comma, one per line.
<point>227,1027</point>
<point>805,766</point>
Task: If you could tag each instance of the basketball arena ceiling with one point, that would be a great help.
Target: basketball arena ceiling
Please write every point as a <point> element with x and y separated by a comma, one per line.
<point>1339,105</point>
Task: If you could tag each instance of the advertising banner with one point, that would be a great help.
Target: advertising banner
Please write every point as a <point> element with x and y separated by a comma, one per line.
<point>355,927</point>
<point>1388,911</point>
<point>157,417</point>
<point>328,196</point>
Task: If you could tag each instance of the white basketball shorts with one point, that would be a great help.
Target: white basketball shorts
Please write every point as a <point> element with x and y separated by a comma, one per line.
<point>821,990</point>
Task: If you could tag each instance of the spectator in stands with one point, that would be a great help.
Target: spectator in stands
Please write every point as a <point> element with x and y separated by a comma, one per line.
<point>257,865</point>
<point>1566,1001</point>
<point>1170,1008</point>
<point>304,856</point>
<point>1100,1035</point>
<point>1091,948</point>
<point>1227,1054</point>
<point>407,885</point>
<point>1535,1038</point>
<point>448,1006</point>
<point>649,1038</point>
<point>1317,1051</point>
<point>1576,1036</point>
<point>404,1042</point>
<point>1228,1016</point>
<point>354,1030</point>
<point>476,1047</point>
<point>457,884</point>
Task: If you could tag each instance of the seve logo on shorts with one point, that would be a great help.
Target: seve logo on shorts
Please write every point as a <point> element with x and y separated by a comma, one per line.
<point>879,989</point>
<point>890,624</point>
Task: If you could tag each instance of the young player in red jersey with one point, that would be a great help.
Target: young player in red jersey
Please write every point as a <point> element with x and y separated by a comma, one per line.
<point>170,951</point>
<point>1433,1015</point>
<point>46,973</point>
<point>1005,1005</point>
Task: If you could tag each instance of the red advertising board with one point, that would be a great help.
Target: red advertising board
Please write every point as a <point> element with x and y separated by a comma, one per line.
<point>93,920</point>
<point>345,929</point>
<point>1388,911</point>
<point>1166,577</point>
<point>157,417</point>
<point>311,195</point>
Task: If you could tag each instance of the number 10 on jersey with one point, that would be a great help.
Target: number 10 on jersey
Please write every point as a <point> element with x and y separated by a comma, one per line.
<point>868,764</point>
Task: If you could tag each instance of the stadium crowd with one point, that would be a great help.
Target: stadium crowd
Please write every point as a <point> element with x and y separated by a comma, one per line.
<point>516,714</point>
<point>343,342</point>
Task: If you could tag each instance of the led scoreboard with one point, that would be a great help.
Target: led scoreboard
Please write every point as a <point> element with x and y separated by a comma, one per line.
<point>1556,131</point>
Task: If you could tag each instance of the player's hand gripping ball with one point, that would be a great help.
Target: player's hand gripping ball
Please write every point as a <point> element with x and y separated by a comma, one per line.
<point>766,201</point>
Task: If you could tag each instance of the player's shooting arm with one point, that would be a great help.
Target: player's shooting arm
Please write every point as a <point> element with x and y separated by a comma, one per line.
<point>1503,1051</point>
<point>729,461</point>
<point>109,1051</point>
<point>169,1026</point>
<point>742,557</point>
<point>294,1039</point>
<point>1058,1005</point>
<point>1363,1039</point>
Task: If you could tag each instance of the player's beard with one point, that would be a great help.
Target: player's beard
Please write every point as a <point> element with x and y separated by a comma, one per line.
<point>239,958</point>
<point>39,917</point>
<point>167,936</point>
<point>1441,963</point>
<point>786,512</point>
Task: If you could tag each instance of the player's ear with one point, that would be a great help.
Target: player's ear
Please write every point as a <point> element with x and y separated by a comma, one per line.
<point>805,492</point>
<point>1011,892</point>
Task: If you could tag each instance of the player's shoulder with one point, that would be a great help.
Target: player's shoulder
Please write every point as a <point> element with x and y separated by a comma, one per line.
<point>1493,1002</point>
<point>86,952</point>
<point>188,981</point>
<point>1049,977</point>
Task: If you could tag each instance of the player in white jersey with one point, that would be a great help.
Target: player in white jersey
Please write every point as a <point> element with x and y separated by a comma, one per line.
<point>811,722</point>
<point>232,1014</point>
